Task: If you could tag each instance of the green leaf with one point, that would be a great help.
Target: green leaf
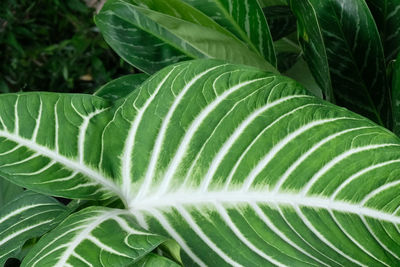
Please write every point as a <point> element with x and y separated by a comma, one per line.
<point>245,19</point>
<point>239,166</point>
<point>312,43</point>
<point>281,21</point>
<point>387,17</point>
<point>152,260</point>
<point>151,40</point>
<point>396,96</point>
<point>27,216</point>
<point>8,191</point>
<point>344,34</point>
<point>121,87</point>
<point>95,236</point>
<point>47,144</point>
<point>301,73</point>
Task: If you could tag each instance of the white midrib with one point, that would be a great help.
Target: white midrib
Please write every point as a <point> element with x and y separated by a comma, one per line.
<point>69,163</point>
<point>280,199</point>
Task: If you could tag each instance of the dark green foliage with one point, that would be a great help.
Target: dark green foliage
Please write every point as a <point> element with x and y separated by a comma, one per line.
<point>53,45</point>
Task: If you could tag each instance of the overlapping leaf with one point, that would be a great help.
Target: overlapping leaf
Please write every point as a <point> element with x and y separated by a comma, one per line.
<point>238,166</point>
<point>151,40</point>
<point>121,87</point>
<point>387,17</point>
<point>94,236</point>
<point>344,33</point>
<point>245,19</point>
<point>28,216</point>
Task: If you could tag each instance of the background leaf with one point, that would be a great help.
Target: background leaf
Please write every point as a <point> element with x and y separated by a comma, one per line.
<point>94,236</point>
<point>121,87</point>
<point>387,17</point>
<point>245,19</point>
<point>29,215</point>
<point>396,96</point>
<point>151,40</point>
<point>354,52</point>
<point>281,21</point>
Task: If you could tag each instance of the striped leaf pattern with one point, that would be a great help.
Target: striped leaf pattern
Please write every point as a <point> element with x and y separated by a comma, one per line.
<point>95,236</point>
<point>28,216</point>
<point>387,17</point>
<point>245,19</point>
<point>151,39</point>
<point>354,52</point>
<point>240,167</point>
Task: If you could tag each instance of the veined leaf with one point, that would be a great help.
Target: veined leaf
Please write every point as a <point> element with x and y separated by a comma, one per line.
<point>151,40</point>
<point>27,216</point>
<point>245,19</point>
<point>396,96</point>
<point>8,191</point>
<point>121,87</point>
<point>151,260</point>
<point>312,43</point>
<point>94,236</point>
<point>387,17</point>
<point>352,46</point>
<point>239,166</point>
<point>281,21</point>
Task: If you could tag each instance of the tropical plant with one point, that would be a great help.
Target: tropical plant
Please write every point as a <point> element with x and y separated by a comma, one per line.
<point>212,162</point>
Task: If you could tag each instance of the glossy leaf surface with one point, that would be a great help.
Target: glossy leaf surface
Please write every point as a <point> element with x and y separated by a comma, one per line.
<point>151,40</point>
<point>239,166</point>
<point>387,17</point>
<point>345,33</point>
<point>281,21</point>
<point>245,19</point>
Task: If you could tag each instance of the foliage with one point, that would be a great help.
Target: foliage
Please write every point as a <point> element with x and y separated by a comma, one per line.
<point>220,160</point>
<point>52,45</point>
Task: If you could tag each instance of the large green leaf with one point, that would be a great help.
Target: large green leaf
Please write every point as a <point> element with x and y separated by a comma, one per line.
<point>29,215</point>
<point>245,19</point>
<point>94,236</point>
<point>151,40</point>
<point>344,33</point>
<point>387,17</point>
<point>239,166</point>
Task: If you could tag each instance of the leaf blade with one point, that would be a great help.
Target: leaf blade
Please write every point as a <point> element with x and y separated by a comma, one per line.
<point>28,216</point>
<point>164,35</point>
<point>354,52</point>
<point>109,235</point>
